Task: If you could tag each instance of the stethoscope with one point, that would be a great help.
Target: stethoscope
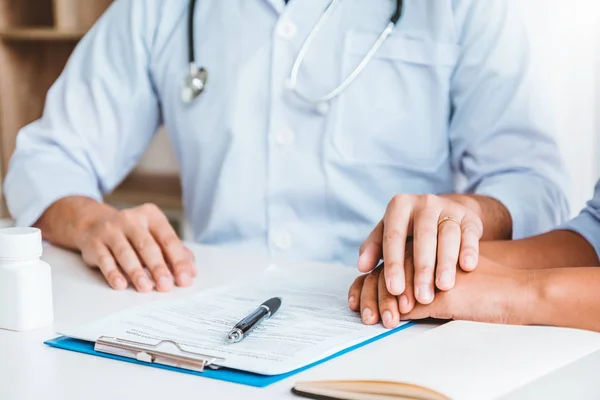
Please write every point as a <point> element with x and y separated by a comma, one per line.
<point>195,82</point>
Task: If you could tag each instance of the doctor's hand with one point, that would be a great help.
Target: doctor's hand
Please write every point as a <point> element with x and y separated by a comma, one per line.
<point>122,243</point>
<point>492,293</point>
<point>444,233</point>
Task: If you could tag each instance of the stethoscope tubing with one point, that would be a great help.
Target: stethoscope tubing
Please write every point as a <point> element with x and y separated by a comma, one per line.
<point>292,82</point>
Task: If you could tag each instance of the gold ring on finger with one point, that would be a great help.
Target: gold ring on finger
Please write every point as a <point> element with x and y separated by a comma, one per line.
<point>449,218</point>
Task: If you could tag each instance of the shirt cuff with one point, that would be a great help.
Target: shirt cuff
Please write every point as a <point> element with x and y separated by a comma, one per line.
<point>533,203</point>
<point>586,225</point>
<point>29,192</point>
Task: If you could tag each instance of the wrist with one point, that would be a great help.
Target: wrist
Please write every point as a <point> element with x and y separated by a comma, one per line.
<point>528,297</point>
<point>68,219</point>
<point>550,294</point>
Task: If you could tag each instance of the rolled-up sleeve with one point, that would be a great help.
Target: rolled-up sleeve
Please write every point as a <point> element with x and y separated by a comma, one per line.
<point>587,222</point>
<point>502,134</point>
<point>99,117</point>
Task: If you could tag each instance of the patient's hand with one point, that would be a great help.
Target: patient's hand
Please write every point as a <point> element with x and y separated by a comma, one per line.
<point>491,293</point>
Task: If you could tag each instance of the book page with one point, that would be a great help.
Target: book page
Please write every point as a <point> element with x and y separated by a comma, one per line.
<point>313,322</point>
<point>476,361</point>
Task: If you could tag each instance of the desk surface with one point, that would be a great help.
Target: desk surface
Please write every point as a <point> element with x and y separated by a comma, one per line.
<point>31,370</point>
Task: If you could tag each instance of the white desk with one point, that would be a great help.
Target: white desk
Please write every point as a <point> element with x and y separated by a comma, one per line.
<point>31,370</point>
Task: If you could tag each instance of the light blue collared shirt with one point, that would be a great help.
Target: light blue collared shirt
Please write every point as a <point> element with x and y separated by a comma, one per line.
<point>447,95</point>
<point>587,223</point>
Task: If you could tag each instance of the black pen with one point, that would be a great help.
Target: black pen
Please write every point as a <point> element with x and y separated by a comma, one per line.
<point>264,311</point>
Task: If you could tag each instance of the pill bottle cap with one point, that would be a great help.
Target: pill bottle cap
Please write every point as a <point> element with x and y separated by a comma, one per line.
<point>20,243</point>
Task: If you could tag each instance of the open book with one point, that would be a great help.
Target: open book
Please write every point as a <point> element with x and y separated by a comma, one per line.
<point>313,323</point>
<point>364,390</point>
<point>460,360</point>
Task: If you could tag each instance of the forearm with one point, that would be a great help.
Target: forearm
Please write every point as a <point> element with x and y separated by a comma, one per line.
<point>566,297</point>
<point>555,249</point>
<point>497,222</point>
<point>67,219</point>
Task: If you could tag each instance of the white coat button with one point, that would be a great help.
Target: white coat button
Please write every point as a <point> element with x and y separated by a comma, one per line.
<point>287,29</point>
<point>284,137</point>
<point>283,240</point>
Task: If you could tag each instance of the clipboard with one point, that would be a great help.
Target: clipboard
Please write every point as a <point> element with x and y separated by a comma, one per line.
<point>158,353</point>
<point>161,356</point>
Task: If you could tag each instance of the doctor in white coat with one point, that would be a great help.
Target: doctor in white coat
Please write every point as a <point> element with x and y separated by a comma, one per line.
<point>303,129</point>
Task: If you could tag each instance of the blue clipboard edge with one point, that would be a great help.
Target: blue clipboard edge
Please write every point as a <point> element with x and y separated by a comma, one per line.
<point>224,374</point>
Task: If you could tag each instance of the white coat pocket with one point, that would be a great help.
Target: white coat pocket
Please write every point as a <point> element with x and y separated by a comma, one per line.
<point>396,113</point>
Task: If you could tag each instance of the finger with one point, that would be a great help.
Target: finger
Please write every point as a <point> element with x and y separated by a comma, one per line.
<point>406,301</point>
<point>354,293</point>
<point>425,249</point>
<point>439,309</point>
<point>128,260</point>
<point>99,256</point>
<point>173,248</point>
<point>151,255</point>
<point>420,311</point>
<point>368,298</point>
<point>370,251</point>
<point>395,227</point>
<point>472,231</point>
<point>388,305</point>
<point>449,238</point>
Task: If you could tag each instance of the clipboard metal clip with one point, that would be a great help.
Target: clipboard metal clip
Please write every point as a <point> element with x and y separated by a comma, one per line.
<point>165,352</point>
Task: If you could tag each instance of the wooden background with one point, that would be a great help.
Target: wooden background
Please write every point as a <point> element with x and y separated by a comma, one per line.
<point>36,39</point>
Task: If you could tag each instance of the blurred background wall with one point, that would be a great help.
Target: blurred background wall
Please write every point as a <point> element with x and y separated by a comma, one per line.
<point>565,38</point>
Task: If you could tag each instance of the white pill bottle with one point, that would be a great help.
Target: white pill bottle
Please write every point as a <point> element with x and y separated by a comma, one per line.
<point>25,281</point>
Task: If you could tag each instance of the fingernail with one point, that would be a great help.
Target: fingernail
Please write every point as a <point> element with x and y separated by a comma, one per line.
<point>423,294</point>
<point>184,279</point>
<point>403,302</point>
<point>119,283</point>
<point>367,314</point>
<point>351,300</point>
<point>387,318</point>
<point>470,262</point>
<point>144,283</point>
<point>165,281</point>
<point>446,279</point>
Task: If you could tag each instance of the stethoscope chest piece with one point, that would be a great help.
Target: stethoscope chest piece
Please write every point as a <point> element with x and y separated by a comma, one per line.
<point>194,84</point>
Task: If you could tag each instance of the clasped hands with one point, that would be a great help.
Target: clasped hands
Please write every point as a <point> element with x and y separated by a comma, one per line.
<point>430,245</point>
